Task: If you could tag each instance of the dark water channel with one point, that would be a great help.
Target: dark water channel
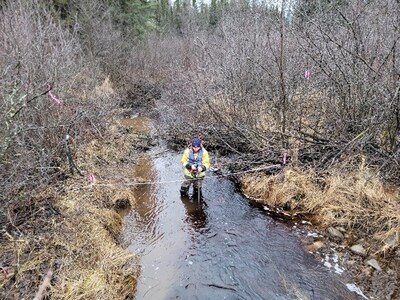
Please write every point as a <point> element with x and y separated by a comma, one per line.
<point>223,249</point>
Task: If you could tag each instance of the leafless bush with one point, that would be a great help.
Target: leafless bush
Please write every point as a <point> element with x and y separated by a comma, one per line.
<point>100,40</point>
<point>39,55</point>
<point>353,51</point>
<point>245,78</point>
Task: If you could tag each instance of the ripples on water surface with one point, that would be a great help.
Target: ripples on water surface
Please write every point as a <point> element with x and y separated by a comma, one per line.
<point>226,249</point>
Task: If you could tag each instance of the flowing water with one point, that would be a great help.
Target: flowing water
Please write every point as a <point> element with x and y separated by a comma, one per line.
<point>219,248</point>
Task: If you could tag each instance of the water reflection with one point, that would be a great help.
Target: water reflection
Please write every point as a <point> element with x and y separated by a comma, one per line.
<point>145,204</point>
<point>195,214</point>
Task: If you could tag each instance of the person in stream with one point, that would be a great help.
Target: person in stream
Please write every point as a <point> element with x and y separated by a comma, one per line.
<point>195,161</point>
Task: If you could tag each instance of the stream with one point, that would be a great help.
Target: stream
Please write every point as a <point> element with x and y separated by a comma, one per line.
<point>222,247</point>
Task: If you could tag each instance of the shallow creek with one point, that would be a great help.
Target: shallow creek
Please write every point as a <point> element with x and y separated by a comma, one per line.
<point>220,248</point>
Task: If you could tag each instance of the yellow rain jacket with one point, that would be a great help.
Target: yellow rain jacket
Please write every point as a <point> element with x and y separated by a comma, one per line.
<point>205,161</point>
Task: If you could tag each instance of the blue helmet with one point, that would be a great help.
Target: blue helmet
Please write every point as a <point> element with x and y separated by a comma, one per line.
<point>196,142</point>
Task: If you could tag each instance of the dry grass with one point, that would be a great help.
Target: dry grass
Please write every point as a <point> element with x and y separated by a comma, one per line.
<point>73,230</point>
<point>94,266</point>
<point>358,201</point>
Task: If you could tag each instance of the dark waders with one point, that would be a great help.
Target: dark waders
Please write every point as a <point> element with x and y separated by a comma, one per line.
<point>197,183</point>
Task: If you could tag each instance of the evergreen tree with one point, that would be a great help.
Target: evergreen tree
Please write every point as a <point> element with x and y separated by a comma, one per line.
<point>305,9</point>
<point>177,15</point>
<point>136,17</point>
<point>213,13</point>
<point>163,15</point>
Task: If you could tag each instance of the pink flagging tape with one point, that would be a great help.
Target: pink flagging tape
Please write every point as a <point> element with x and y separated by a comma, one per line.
<point>52,97</point>
<point>92,178</point>
<point>307,74</point>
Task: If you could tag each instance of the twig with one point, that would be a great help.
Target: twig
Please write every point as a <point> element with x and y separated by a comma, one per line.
<point>219,286</point>
<point>37,96</point>
<point>349,145</point>
<point>71,162</point>
<point>44,285</point>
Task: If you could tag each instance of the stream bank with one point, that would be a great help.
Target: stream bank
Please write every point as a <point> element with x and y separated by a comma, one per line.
<point>66,237</point>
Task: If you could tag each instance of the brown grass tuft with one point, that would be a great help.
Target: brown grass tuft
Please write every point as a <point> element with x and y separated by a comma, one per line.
<point>358,201</point>
<point>93,265</point>
<point>284,190</point>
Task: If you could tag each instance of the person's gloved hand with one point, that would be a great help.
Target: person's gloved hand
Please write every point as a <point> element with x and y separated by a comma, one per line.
<point>194,167</point>
<point>201,168</point>
<point>189,166</point>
